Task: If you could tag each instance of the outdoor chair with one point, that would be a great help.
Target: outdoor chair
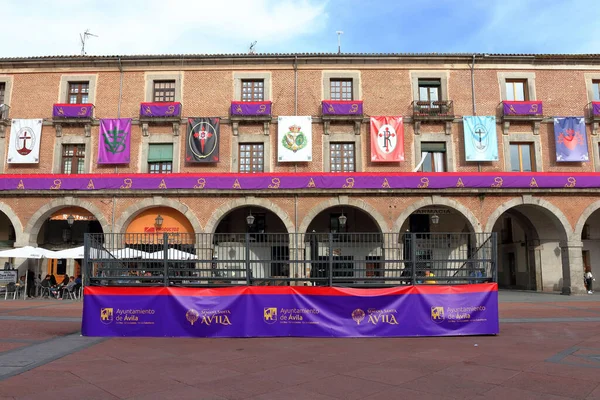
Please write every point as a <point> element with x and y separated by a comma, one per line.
<point>72,294</point>
<point>10,288</point>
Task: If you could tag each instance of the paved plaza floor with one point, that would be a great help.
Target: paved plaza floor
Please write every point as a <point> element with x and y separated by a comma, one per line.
<point>548,348</point>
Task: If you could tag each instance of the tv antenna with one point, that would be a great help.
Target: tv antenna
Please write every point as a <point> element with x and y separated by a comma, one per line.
<point>339,33</point>
<point>251,50</point>
<point>83,37</point>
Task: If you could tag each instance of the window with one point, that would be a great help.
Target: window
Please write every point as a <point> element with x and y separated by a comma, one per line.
<point>595,90</point>
<point>73,159</point>
<point>160,158</point>
<point>341,89</point>
<point>2,90</point>
<point>164,91</point>
<point>78,92</point>
<point>516,90</point>
<point>522,157</point>
<point>434,155</point>
<point>252,158</point>
<point>253,89</point>
<point>341,157</point>
<point>430,90</point>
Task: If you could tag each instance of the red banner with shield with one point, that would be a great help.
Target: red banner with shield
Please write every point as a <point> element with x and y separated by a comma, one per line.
<point>387,139</point>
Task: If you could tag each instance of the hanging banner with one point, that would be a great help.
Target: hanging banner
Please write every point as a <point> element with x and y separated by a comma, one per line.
<point>387,139</point>
<point>571,139</point>
<point>481,142</point>
<point>160,109</point>
<point>523,108</point>
<point>294,139</point>
<point>72,110</point>
<point>114,141</point>
<point>342,107</point>
<point>596,108</point>
<point>202,144</point>
<point>299,311</point>
<point>24,143</point>
<point>251,108</point>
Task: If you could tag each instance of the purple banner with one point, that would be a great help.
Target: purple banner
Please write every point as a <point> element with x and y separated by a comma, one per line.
<point>291,311</point>
<point>315,181</point>
<point>251,108</point>
<point>339,107</point>
<point>162,109</point>
<point>72,110</point>
<point>571,139</point>
<point>523,108</point>
<point>114,141</point>
<point>596,108</point>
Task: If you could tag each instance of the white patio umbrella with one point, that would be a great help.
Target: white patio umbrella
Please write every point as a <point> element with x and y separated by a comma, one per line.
<point>172,254</point>
<point>28,252</point>
<point>128,253</point>
<point>77,253</point>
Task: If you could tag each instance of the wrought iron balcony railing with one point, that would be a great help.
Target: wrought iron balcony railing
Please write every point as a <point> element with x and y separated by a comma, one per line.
<point>433,110</point>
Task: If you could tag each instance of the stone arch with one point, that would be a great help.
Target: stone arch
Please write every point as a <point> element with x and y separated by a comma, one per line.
<point>587,213</point>
<point>220,212</point>
<point>344,201</point>
<point>131,212</point>
<point>39,217</point>
<point>438,201</point>
<point>566,230</point>
<point>16,223</point>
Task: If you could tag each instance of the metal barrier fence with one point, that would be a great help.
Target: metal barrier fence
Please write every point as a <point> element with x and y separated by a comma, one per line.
<point>315,259</point>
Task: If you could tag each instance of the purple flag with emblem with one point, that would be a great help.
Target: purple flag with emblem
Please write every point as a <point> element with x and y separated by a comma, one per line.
<point>114,141</point>
<point>571,139</point>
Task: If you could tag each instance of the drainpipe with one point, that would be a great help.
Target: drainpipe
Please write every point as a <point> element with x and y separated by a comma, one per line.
<point>114,199</point>
<point>296,85</point>
<point>473,97</point>
<point>295,167</point>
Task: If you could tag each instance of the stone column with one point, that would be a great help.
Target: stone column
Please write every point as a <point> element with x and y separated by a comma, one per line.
<point>572,265</point>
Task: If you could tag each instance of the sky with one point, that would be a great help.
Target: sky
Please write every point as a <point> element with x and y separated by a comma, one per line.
<point>128,27</point>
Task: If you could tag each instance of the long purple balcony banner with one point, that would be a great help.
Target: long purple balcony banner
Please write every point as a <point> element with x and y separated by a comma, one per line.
<point>291,311</point>
<point>375,181</point>
<point>342,107</point>
<point>160,109</point>
<point>523,108</point>
<point>251,108</point>
<point>72,110</point>
<point>596,108</point>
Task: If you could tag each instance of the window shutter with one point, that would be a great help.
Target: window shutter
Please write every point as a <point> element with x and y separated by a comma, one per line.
<point>433,147</point>
<point>160,152</point>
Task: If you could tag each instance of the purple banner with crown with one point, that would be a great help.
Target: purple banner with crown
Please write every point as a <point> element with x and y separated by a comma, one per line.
<point>251,108</point>
<point>161,109</point>
<point>523,108</point>
<point>72,110</point>
<point>291,311</point>
<point>307,181</point>
<point>596,108</point>
<point>113,142</point>
<point>342,107</point>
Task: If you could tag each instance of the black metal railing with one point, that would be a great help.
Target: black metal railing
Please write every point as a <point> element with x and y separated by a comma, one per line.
<point>431,110</point>
<point>4,109</point>
<point>315,259</point>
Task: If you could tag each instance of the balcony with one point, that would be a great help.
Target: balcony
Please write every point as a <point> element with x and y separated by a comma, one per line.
<point>433,111</point>
<point>4,122</point>
<point>593,113</point>
<point>342,111</point>
<point>252,112</point>
<point>522,111</point>
<point>72,114</point>
<point>160,113</point>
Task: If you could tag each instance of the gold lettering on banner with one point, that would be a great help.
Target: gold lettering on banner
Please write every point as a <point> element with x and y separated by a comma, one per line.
<point>61,111</point>
<point>170,110</point>
<point>82,111</point>
<point>498,182</point>
<point>148,111</point>
<point>571,182</point>
<point>533,109</point>
<point>459,183</point>
<point>127,182</point>
<point>162,185</point>
<point>238,109</point>
<point>311,183</point>
<point>91,185</point>
<point>512,109</point>
<point>236,185</point>
<point>200,183</point>
<point>262,109</point>
<point>354,108</point>
<point>533,183</point>
<point>385,183</point>
<point>349,183</point>
<point>331,109</point>
<point>275,182</point>
<point>21,185</point>
<point>57,183</point>
<point>424,183</point>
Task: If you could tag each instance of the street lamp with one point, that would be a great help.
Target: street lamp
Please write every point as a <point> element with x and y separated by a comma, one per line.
<point>342,219</point>
<point>70,220</point>
<point>250,219</point>
<point>158,221</point>
<point>435,219</point>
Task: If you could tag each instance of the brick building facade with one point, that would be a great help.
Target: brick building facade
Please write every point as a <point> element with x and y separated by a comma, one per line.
<point>545,235</point>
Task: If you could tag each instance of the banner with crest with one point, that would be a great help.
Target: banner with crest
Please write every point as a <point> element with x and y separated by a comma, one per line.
<point>481,141</point>
<point>571,139</point>
<point>387,139</point>
<point>294,139</point>
<point>114,141</point>
<point>202,142</point>
<point>24,143</point>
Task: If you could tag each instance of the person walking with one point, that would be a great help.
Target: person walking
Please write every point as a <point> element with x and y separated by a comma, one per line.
<point>589,278</point>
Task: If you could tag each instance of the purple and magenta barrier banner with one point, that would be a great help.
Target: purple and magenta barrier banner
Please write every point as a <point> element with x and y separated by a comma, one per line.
<point>342,107</point>
<point>299,181</point>
<point>596,108</point>
<point>160,109</point>
<point>300,311</point>
<point>251,108</point>
<point>72,110</point>
<point>523,108</point>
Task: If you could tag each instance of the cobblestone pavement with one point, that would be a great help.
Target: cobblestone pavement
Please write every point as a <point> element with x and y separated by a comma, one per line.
<point>548,348</point>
